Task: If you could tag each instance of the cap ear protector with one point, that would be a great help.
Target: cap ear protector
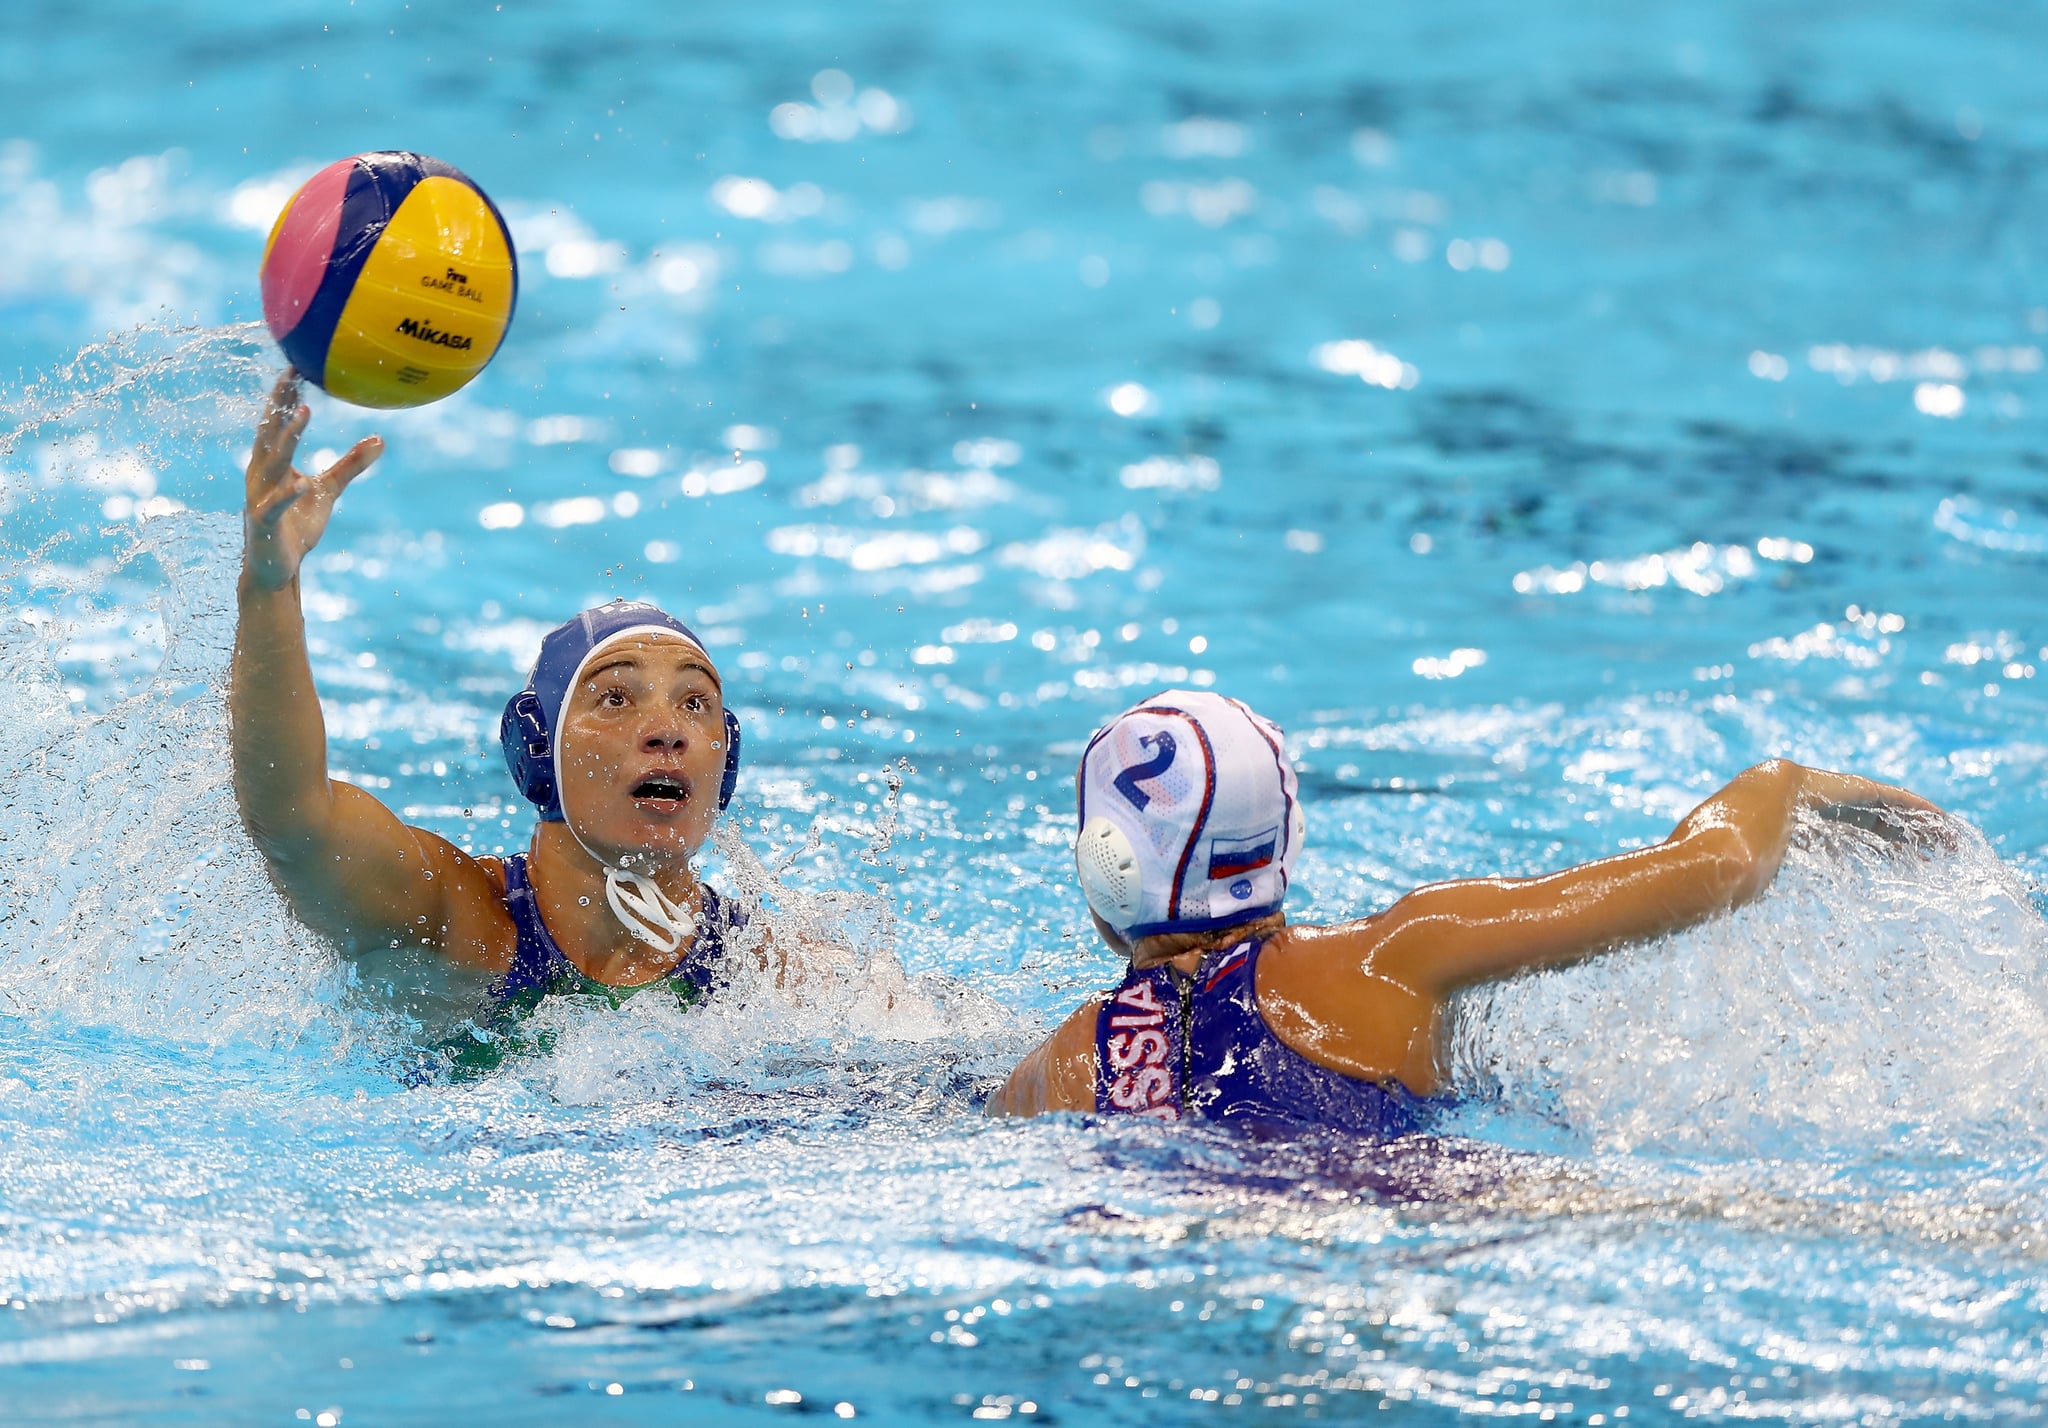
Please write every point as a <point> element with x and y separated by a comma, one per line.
<point>1113,881</point>
<point>729,780</point>
<point>523,735</point>
<point>529,752</point>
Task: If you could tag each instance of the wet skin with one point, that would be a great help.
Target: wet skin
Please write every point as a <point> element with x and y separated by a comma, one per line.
<point>1368,998</point>
<point>642,751</point>
<point>642,741</point>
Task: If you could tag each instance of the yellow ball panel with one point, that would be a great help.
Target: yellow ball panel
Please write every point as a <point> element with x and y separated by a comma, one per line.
<point>368,366</point>
<point>431,304</point>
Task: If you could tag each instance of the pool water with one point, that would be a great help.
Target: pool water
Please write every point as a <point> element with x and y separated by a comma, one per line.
<point>1542,416</point>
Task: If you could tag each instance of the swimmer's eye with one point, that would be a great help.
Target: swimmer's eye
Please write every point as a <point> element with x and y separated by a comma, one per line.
<point>697,704</point>
<point>613,698</point>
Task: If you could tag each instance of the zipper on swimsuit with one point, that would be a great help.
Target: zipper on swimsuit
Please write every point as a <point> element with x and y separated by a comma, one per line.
<point>1187,1039</point>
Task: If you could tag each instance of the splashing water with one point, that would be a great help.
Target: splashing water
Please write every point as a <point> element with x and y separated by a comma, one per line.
<point>639,1165</point>
<point>129,894</point>
<point>955,439</point>
<point>1873,1001</point>
<point>828,1016</point>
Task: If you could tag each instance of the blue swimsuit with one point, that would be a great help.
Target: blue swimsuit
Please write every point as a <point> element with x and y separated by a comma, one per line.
<point>1172,1047</point>
<point>540,967</point>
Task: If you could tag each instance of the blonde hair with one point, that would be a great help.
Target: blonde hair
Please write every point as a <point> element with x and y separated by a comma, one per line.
<point>1165,946</point>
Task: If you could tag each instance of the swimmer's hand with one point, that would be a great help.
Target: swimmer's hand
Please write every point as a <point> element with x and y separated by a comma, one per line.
<point>1898,816</point>
<point>808,968</point>
<point>286,510</point>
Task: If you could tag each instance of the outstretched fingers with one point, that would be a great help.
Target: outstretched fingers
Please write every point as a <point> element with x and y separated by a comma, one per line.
<point>272,508</point>
<point>268,509</point>
<point>286,448</point>
<point>353,463</point>
<point>280,407</point>
<point>271,461</point>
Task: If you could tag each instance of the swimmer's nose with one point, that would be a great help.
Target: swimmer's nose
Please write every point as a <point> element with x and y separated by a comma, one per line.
<point>665,740</point>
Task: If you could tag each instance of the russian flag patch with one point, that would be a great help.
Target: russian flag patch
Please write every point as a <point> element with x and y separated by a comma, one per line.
<point>1234,857</point>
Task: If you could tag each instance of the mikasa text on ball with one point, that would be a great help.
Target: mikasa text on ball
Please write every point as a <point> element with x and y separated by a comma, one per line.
<point>389,279</point>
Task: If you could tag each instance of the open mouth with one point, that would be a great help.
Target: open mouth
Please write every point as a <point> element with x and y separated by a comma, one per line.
<point>660,786</point>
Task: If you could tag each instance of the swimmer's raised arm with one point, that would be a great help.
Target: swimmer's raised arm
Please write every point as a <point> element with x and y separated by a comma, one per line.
<point>1386,1021</point>
<point>350,866</point>
<point>1369,997</point>
<point>1724,853</point>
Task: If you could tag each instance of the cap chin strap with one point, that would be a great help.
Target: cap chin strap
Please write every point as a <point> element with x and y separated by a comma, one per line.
<point>646,911</point>
<point>639,904</point>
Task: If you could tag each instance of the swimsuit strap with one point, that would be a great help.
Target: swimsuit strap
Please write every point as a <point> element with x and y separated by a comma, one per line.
<point>536,960</point>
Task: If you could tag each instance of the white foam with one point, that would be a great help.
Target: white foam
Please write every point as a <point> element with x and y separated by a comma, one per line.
<point>1870,1003</point>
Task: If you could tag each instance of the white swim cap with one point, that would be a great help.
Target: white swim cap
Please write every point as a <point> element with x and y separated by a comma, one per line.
<point>1189,816</point>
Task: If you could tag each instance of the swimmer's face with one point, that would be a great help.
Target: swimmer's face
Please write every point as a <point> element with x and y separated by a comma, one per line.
<point>643,750</point>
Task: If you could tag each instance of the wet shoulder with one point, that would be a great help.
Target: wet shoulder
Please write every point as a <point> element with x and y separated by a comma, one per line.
<point>1059,1073</point>
<point>1070,1058</point>
<point>1316,992</point>
<point>478,927</point>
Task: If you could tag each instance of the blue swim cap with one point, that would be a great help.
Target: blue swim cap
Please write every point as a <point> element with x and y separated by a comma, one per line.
<point>526,732</point>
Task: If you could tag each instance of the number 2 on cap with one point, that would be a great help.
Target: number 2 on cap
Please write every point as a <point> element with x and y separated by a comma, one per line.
<point>1127,782</point>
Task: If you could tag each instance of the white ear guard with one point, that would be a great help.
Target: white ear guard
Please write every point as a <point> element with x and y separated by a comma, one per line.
<point>1108,867</point>
<point>1111,879</point>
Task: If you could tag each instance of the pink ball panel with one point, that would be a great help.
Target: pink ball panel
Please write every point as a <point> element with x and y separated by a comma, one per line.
<point>298,255</point>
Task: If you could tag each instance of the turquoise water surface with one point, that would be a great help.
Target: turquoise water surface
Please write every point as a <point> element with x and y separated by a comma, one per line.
<point>1542,415</point>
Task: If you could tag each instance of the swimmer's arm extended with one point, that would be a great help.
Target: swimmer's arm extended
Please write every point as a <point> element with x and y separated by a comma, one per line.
<point>1721,855</point>
<point>1384,1019</point>
<point>351,868</point>
<point>1058,1074</point>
